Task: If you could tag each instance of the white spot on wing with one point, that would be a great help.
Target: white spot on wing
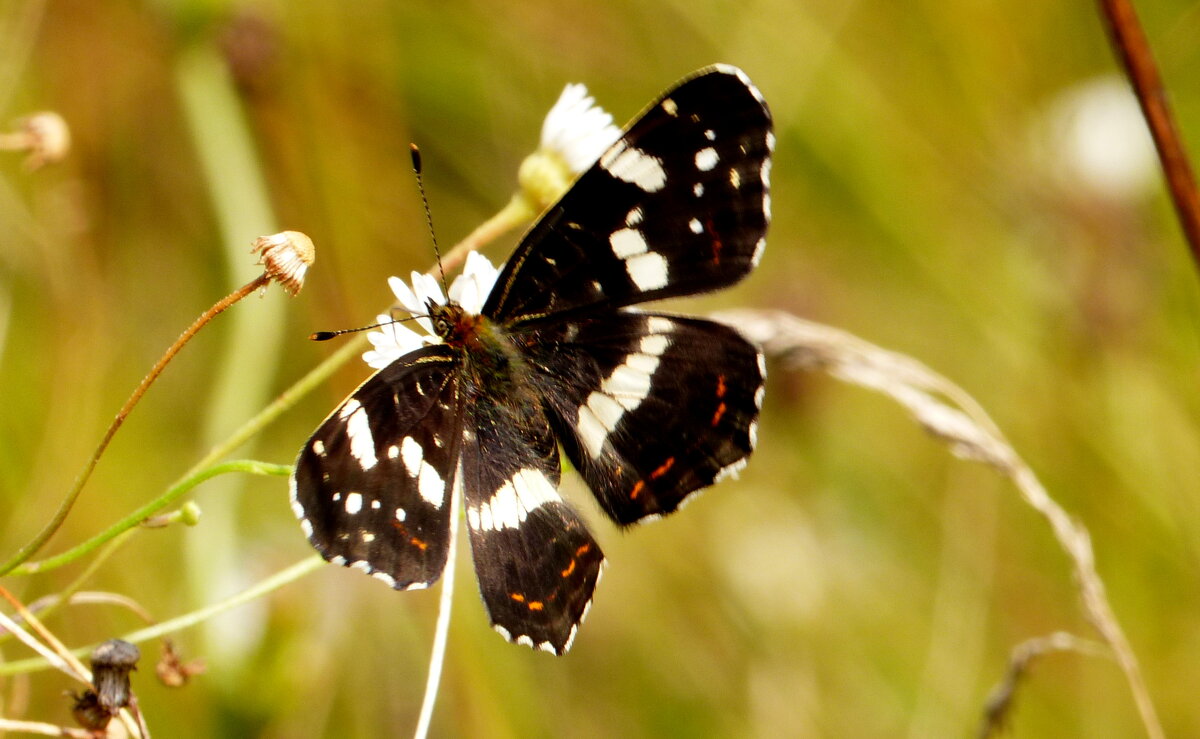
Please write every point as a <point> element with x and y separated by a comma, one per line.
<point>695,226</point>
<point>590,431</point>
<point>627,242</point>
<point>401,514</point>
<point>655,344</point>
<point>731,470</point>
<point>412,455</point>
<point>608,411</point>
<point>670,107</point>
<point>628,385</point>
<point>358,428</point>
<point>706,159</point>
<point>758,252</point>
<point>634,217</point>
<point>634,166</point>
<point>431,485</point>
<point>353,503</point>
<point>648,271</point>
<point>527,490</point>
<point>318,447</point>
<point>659,325</point>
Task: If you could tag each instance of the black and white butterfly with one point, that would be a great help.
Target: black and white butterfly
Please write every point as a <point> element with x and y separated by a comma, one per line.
<point>649,407</point>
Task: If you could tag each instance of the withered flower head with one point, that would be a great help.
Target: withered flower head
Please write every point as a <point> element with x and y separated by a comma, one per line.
<point>44,135</point>
<point>111,664</point>
<point>286,256</point>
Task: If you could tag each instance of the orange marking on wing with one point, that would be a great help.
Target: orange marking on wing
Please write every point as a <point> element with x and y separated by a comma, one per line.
<point>717,416</point>
<point>583,550</point>
<point>717,245</point>
<point>517,597</point>
<point>536,605</point>
<point>570,568</point>
<point>663,468</point>
<point>721,386</point>
<point>419,544</point>
<point>637,489</point>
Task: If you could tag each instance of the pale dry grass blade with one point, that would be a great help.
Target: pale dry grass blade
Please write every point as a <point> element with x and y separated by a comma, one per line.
<point>948,413</point>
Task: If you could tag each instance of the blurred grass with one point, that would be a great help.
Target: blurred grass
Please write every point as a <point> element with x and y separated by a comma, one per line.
<point>857,580</point>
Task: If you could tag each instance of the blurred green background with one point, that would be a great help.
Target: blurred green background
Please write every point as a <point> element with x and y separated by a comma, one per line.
<point>955,181</point>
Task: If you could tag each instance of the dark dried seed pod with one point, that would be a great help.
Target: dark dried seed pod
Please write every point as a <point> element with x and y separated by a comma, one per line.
<point>88,712</point>
<point>111,663</point>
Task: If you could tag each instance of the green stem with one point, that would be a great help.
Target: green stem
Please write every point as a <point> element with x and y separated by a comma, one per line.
<point>64,597</point>
<point>272,583</point>
<point>64,508</point>
<point>173,493</point>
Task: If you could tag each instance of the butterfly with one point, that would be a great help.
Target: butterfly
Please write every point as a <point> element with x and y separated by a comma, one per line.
<point>649,407</point>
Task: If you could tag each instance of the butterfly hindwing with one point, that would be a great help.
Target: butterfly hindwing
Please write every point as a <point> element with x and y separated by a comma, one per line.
<point>650,407</point>
<point>536,563</point>
<point>679,205</point>
<point>371,485</point>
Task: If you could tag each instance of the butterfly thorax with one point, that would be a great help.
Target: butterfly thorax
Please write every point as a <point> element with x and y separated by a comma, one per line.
<point>492,365</point>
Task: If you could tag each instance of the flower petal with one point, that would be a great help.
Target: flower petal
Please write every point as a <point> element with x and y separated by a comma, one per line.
<point>405,295</point>
<point>577,129</point>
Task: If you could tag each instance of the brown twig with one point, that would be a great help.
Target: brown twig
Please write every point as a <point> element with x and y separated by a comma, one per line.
<point>1131,45</point>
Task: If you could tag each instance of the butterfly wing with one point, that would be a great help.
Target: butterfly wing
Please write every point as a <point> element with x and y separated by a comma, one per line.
<point>650,407</point>
<point>536,563</point>
<point>679,205</point>
<point>371,486</point>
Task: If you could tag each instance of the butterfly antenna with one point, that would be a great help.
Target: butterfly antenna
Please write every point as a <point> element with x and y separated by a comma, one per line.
<point>416,164</point>
<point>327,335</point>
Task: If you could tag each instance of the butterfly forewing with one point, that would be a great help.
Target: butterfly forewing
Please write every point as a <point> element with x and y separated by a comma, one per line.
<point>650,407</point>
<point>536,562</point>
<point>371,485</point>
<point>679,205</point>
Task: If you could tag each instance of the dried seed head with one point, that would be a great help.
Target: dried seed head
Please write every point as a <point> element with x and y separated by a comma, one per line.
<point>286,256</point>
<point>111,663</point>
<point>44,135</point>
<point>173,671</point>
<point>88,712</point>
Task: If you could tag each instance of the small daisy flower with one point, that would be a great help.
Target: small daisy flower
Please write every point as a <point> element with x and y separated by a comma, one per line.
<point>469,290</point>
<point>577,129</point>
<point>574,135</point>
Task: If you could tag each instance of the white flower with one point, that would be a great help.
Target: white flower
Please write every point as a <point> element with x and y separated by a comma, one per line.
<point>577,129</point>
<point>469,290</point>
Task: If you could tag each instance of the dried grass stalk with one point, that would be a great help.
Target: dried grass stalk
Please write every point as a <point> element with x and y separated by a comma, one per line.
<point>948,413</point>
